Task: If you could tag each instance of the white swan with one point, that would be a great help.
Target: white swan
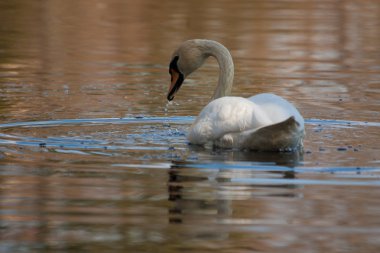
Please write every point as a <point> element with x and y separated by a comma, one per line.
<point>264,122</point>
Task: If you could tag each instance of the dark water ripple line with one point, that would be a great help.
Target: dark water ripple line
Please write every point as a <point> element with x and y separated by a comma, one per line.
<point>275,168</point>
<point>7,138</point>
<point>247,225</point>
<point>148,119</point>
<point>99,121</point>
<point>268,181</point>
<point>70,143</point>
<point>64,145</point>
<point>341,122</point>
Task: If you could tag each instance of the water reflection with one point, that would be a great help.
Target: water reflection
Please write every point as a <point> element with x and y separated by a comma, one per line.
<point>208,193</point>
<point>299,50</point>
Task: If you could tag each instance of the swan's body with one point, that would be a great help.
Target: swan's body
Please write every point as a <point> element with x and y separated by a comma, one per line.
<point>263,122</point>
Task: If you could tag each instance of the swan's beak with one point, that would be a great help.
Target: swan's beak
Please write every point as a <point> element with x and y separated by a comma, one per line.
<point>176,82</point>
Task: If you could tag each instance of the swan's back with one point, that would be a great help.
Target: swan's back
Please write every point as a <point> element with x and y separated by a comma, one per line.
<point>276,108</point>
<point>226,115</point>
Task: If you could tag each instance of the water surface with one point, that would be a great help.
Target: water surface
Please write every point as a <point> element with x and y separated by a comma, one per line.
<point>92,158</point>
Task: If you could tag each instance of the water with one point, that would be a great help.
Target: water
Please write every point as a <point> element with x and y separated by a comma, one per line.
<point>93,159</point>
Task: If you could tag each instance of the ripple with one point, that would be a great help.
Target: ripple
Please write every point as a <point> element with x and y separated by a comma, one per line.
<point>99,121</point>
<point>152,138</point>
<point>149,130</point>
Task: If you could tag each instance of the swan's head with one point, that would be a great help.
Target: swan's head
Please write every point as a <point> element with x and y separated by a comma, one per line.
<point>185,60</point>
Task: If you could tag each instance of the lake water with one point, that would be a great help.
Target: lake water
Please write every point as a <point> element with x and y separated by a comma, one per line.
<point>93,158</point>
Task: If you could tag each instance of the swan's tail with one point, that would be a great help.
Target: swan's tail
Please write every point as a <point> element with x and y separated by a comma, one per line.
<point>284,136</point>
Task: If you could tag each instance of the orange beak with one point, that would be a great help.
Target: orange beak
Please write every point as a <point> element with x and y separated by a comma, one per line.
<point>174,77</point>
<point>175,84</point>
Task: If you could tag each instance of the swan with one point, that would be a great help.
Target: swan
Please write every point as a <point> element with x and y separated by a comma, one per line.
<point>264,122</point>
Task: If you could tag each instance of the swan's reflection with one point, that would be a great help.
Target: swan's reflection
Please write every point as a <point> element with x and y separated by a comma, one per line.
<point>288,159</point>
<point>188,201</point>
<point>207,192</point>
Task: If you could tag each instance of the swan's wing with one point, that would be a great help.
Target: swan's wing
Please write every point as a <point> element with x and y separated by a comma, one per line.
<point>284,136</point>
<point>226,115</point>
<point>277,108</point>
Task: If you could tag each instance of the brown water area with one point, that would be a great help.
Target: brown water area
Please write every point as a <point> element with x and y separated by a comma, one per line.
<point>94,159</point>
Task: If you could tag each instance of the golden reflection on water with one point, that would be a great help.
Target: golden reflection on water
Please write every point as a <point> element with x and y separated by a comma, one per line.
<point>324,54</point>
<point>94,59</point>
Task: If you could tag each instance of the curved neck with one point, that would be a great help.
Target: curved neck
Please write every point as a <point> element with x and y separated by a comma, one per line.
<point>226,67</point>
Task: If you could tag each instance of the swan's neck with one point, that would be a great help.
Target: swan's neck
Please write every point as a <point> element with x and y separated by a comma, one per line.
<point>226,68</point>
